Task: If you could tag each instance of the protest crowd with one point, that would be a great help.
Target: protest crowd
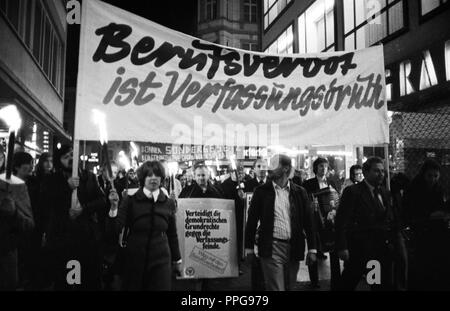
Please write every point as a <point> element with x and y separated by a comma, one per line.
<point>128,240</point>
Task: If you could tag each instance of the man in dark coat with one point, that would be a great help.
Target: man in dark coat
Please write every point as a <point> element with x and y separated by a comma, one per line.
<point>74,233</point>
<point>284,212</point>
<point>260,169</point>
<point>234,190</point>
<point>367,229</point>
<point>202,187</point>
<point>427,214</point>
<point>313,187</point>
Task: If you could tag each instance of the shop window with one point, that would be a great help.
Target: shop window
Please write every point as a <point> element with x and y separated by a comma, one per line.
<point>369,22</point>
<point>316,28</point>
<point>283,44</point>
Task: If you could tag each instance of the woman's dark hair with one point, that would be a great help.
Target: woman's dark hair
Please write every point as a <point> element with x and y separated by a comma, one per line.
<point>149,168</point>
<point>40,171</point>
<point>58,154</point>
<point>353,171</point>
<point>428,165</point>
<point>317,162</point>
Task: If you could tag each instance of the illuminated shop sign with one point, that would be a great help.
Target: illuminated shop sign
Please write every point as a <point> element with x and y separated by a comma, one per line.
<point>421,72</point>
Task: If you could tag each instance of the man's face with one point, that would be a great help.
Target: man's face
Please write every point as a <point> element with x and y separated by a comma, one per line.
<point>375,175</point>
<point>432,177</point>
<point>322,169</point>
<point>189,178</point>
<point>241,173</point>
<point>115,171</point>
<point>67,160</point>
<point>24,171</point>
<point>201,177</point>
<point>261,169</point>
<point>275,170</point>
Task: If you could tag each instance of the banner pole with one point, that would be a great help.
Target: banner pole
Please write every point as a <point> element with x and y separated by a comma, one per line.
<point>84,154</point>
<point>388,173</point>
<point>76,156</point>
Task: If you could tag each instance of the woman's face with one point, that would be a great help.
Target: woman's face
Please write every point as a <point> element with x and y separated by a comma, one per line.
<point>48,165</point>
<point>359,175</point>
<point>152,182</point>
<point>322,169</point>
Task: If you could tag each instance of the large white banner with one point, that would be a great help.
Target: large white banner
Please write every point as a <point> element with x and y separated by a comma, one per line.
<point>155,84</point>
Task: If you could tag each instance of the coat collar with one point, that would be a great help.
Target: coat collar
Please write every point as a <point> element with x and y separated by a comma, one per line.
<point>140,195</point>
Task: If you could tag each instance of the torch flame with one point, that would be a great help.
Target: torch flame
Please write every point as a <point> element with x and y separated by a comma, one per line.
<point>99,119</point>
<point>173,168</point>
<point>134,150</point>
<point>233,162</point>
<point>124,161</point>
<point>11,116</point>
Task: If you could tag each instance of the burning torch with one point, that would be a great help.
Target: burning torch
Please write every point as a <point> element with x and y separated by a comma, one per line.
<point>99,119</point>
<point>11,116</point>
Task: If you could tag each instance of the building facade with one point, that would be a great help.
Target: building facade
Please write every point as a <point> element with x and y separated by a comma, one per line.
<point>234,23</point>
<point>32,74</point>
<point>416,39</point>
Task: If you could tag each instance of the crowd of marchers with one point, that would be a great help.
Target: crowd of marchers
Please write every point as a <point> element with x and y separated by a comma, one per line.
<point>122,229</point>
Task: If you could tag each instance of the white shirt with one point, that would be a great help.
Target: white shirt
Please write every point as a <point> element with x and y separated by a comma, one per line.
<point>151,194</point>
<point>323,183</point>
<point>261,180</point>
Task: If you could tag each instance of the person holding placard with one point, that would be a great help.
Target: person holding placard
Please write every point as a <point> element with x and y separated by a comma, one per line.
<point>202,187</point>
<point>152,249</point>
<point>284,212</point>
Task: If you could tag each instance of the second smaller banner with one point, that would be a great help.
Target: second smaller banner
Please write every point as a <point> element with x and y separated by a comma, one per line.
<point>207,236</point>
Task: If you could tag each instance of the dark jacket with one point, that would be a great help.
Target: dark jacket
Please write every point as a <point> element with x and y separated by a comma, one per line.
<point>195,191</point>
<point>312,185</point>
<point>230,192</point>
<point>251,185</point>
<point>12,227</point>
<point>359,217</point>
<point>150,223</point>
<point>262,210</point>
<point>57,195</point>
<point>420,202</point>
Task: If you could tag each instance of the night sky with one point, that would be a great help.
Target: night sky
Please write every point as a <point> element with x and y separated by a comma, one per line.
<point>177,15</point>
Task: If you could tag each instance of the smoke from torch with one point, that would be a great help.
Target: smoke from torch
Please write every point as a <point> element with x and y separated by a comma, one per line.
<point>134,152</point>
